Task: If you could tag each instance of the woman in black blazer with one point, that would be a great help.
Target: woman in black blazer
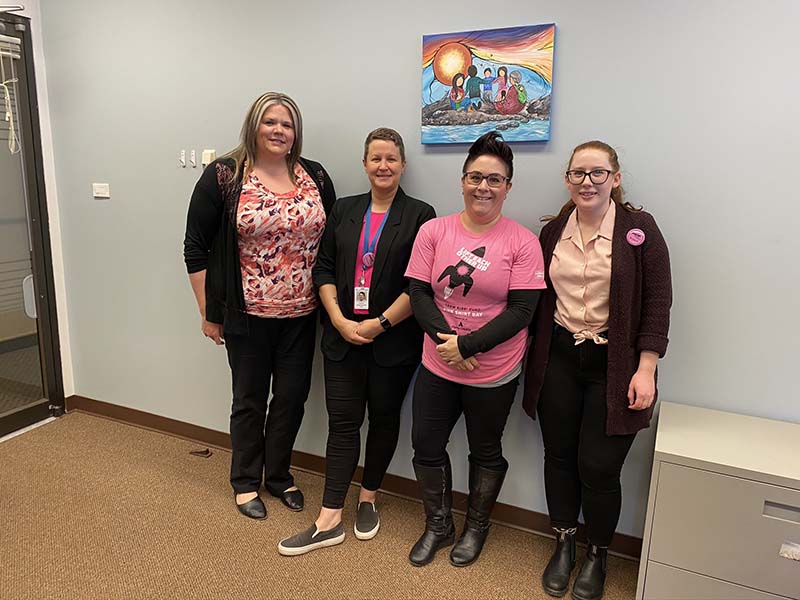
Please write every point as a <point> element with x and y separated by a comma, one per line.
<point>371,347</point>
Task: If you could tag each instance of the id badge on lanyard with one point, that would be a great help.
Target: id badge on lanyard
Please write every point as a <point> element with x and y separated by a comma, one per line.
<point>361,292</point>
<point>361,298</point>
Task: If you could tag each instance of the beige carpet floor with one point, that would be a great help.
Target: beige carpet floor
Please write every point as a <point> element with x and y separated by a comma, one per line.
<point>91,508</point>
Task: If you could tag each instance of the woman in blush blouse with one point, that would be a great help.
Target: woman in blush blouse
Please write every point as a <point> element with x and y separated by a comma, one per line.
<point>599,331</point>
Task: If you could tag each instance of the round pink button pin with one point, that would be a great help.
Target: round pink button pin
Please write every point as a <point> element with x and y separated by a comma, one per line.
<point>635,237</point>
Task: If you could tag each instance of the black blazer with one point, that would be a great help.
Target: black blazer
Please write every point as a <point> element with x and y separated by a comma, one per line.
<point>336,264</point>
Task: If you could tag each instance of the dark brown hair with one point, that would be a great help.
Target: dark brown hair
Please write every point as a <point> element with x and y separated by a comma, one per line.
<point>491,144</point>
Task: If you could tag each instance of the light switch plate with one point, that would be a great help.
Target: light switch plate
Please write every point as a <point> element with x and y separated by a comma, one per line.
<point>208,156</point>
<point>101,190</point>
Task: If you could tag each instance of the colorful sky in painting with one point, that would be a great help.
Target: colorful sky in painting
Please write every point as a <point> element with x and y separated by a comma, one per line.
<point>528,46</point>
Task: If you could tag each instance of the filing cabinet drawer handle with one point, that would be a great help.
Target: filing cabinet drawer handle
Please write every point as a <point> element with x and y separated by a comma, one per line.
<point>783,512</point>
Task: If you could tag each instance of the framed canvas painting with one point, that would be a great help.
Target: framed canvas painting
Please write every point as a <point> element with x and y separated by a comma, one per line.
<point>477,81</point>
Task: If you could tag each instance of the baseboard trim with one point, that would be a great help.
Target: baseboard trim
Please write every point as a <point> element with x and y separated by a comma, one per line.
<point>131,416</point>
<point>623,545</point>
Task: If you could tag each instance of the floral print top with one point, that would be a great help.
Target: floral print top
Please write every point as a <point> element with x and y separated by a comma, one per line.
<point>279,235</point>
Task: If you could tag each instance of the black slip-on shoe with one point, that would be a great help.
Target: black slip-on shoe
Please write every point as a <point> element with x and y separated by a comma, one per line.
<point>311,539</point>
<point>367,521</point>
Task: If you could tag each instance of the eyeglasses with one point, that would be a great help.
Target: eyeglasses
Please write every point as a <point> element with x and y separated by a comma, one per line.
<point>493,179</point>
<point>596,176</point>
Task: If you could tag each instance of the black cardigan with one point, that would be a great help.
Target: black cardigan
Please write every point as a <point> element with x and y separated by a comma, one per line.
<point>336,264</point>
<point>211,241</point>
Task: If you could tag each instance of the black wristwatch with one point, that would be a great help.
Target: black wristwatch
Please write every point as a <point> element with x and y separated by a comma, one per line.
<point>384,322</point>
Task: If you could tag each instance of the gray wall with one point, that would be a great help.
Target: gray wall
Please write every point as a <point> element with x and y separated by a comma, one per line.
<point>699,99</point>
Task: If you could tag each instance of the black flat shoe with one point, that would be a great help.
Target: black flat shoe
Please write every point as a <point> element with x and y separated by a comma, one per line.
<point>254,509</point>
<point>292,500</point>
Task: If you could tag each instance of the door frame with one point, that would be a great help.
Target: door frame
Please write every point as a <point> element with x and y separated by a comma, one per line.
<point>39,226</point>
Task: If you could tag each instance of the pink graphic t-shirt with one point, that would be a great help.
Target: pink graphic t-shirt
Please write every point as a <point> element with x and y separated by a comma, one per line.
<point>471,275</point>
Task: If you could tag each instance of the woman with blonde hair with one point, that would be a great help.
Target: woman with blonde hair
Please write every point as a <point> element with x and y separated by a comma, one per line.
<point>254,225</point>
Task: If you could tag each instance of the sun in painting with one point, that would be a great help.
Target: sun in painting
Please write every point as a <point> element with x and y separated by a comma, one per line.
<point>450,59</point>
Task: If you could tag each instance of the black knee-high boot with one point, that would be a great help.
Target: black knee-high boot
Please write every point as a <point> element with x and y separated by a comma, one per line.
<point>436,486</point>
<point>484,487</point>
<point>592,577</point>
<point>555,579</point>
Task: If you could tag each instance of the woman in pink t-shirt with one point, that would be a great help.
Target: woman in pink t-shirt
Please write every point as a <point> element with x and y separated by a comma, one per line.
<point>475,279</point>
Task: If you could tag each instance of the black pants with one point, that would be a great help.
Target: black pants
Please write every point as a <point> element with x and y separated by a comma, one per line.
<point>438,403</point>
<point>279,352</point>
<point>581,463</point>
<point>351,386</point>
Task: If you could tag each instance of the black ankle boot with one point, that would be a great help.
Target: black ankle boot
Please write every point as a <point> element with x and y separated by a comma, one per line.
<point>555,579</point>
<point>592,576</point>
<point>484,487</point>
<point>436,486</point>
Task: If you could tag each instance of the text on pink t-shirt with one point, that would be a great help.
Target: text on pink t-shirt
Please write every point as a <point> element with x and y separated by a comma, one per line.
<point>471,275</point>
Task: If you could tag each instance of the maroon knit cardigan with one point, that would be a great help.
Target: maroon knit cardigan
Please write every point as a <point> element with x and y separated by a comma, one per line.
<point>638,315</point>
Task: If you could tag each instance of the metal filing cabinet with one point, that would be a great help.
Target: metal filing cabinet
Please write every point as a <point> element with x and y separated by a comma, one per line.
<point>723,516</point>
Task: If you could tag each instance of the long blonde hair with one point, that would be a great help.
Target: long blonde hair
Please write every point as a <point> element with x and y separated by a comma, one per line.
<point>245,152</point>
<point>617,193</point>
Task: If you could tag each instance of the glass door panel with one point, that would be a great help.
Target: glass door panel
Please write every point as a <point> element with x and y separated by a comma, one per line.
<point>20,364</point>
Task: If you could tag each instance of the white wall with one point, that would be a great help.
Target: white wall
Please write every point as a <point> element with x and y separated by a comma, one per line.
<point>699,99</point>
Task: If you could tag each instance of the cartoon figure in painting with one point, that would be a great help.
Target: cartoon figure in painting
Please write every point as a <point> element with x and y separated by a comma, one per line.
<point>511,101</point>
<point>458,99</point>
<point>488,80</point>
<point>473,88</point>
<point>516,80</point>
<point>502,82</point>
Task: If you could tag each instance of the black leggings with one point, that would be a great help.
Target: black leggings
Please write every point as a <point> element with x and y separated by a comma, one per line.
<point>438,403</point>
<point>582,464</point>
<point>351,386</point>
<point>277,353</point>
